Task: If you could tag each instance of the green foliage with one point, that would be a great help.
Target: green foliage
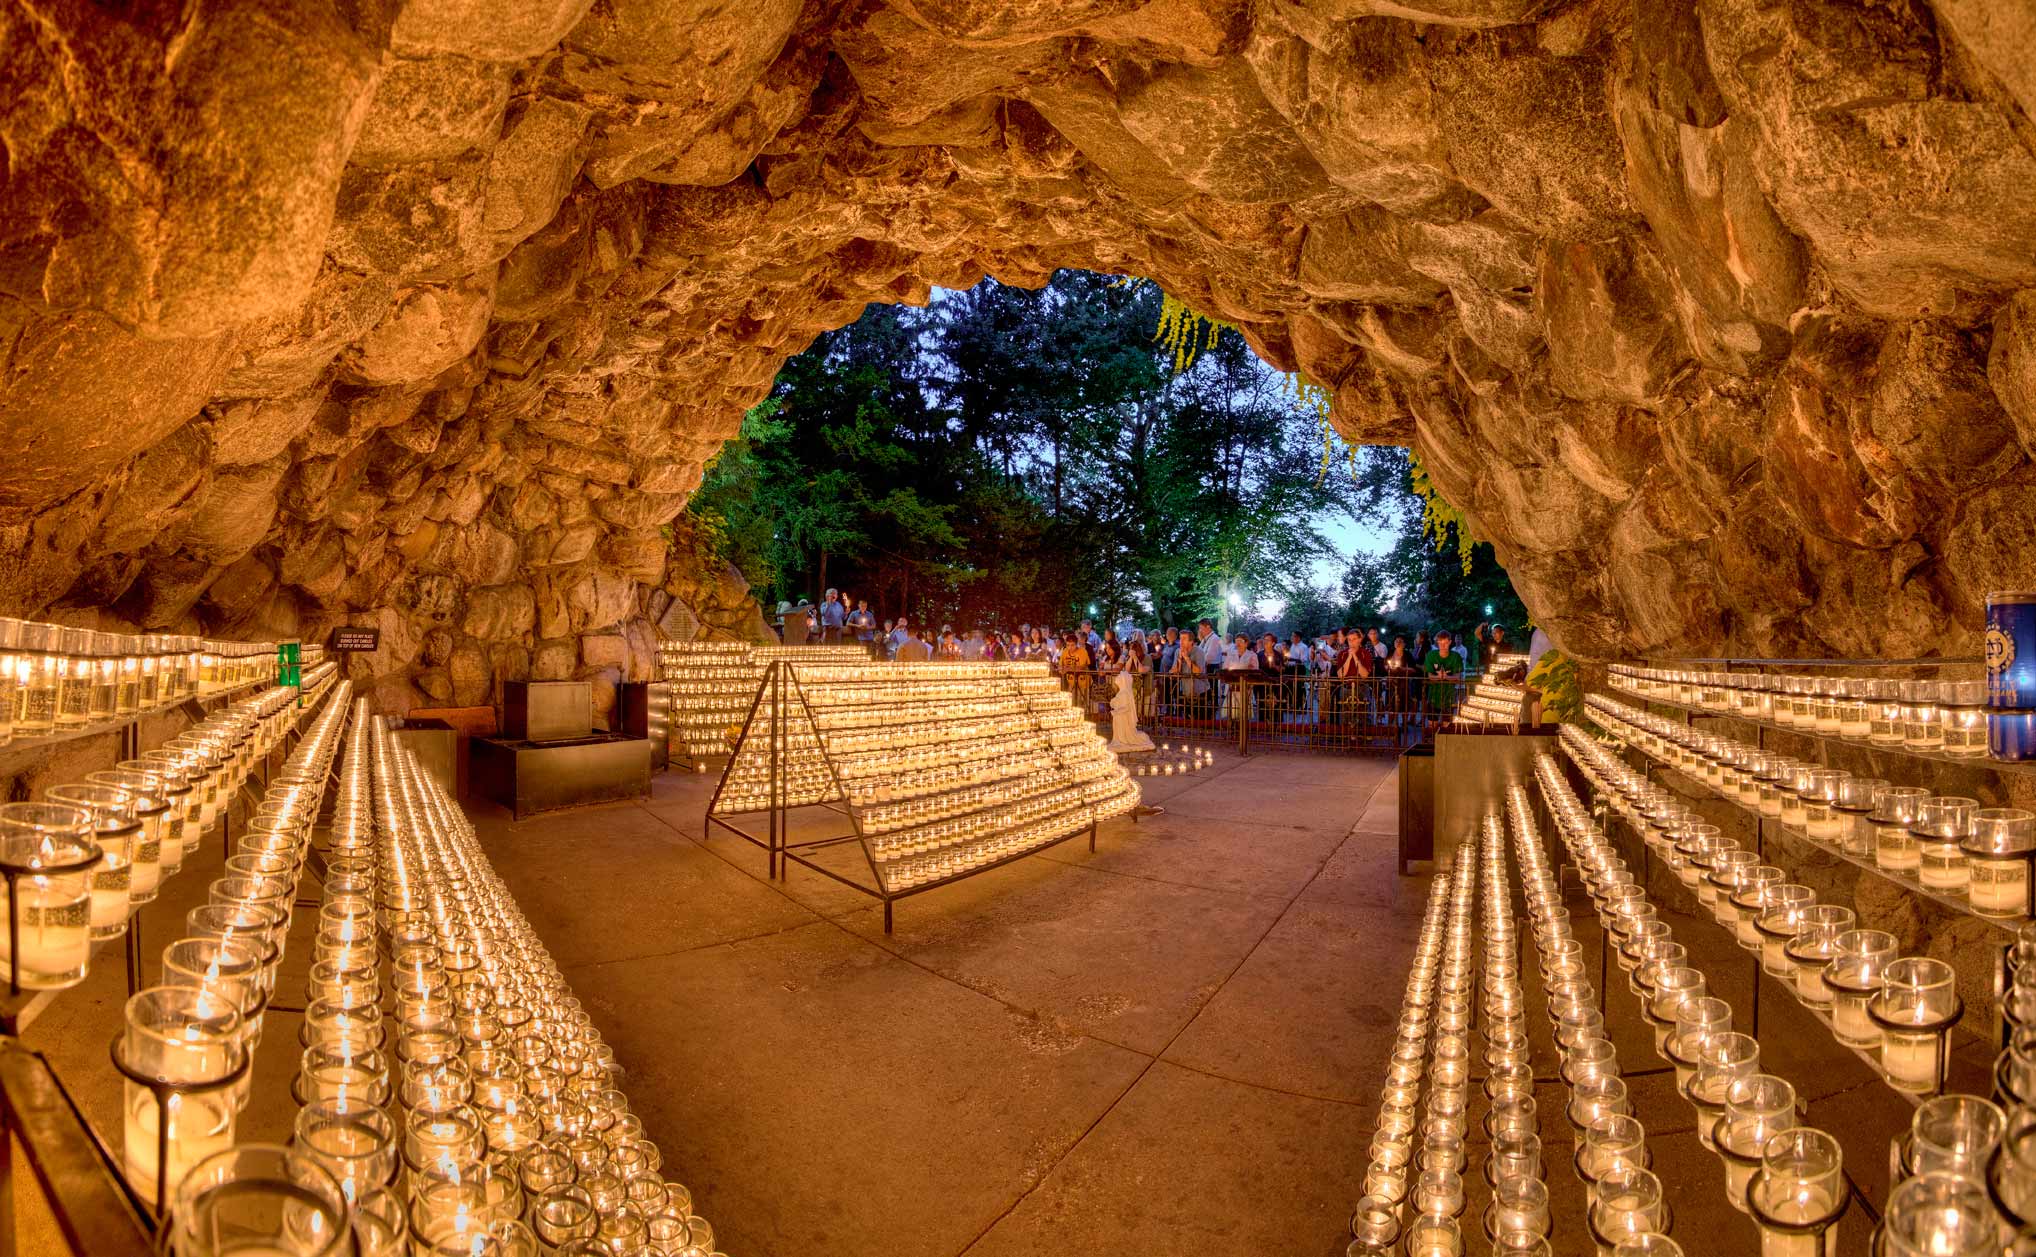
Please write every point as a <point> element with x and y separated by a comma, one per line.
<point>1562,691</point>
<point>1441,523</point>
<point>1009,455</point>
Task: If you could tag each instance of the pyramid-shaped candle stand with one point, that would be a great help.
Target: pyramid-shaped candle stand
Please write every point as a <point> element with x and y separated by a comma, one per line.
<point>940,771</point>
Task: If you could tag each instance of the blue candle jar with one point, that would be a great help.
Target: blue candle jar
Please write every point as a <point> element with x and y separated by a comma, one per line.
<point>2011,674</point>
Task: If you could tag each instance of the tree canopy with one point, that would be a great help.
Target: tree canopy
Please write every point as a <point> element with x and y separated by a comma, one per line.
<point>1009,455</point>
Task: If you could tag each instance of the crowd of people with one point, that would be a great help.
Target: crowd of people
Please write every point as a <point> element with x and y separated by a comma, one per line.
<point>1180,666</point>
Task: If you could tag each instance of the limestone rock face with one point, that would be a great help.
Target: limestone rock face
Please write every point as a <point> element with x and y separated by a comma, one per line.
<point>1717,316</point>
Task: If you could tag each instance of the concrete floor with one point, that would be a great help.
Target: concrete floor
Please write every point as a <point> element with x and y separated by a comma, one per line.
<point>1172,1045</point>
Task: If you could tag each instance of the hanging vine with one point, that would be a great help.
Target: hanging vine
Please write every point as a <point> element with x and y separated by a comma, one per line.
<point>1440,522</point>
<point>1186,333</point>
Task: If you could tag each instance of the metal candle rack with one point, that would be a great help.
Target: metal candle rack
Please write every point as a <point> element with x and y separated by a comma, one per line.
<point>782,710</point>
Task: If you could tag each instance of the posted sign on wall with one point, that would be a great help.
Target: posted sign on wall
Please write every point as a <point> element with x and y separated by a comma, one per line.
<point>356,639</point>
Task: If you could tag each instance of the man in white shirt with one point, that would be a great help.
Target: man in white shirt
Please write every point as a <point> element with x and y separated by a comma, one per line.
<point>1210,645</point>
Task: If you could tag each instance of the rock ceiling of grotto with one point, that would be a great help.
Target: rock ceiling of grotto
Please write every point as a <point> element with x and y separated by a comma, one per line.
<point>1717,316</point>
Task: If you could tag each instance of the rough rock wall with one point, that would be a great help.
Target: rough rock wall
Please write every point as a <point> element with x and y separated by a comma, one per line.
<point>1719,316</point>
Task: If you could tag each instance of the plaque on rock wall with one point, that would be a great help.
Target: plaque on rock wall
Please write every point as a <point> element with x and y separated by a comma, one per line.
<point>356,639</point>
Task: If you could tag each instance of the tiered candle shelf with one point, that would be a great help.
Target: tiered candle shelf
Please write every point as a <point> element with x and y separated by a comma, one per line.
<point>1631,726</point>
<point>713,685</point>
<point>274,719</point>
<point>1492,703</point>
<point>1769,954</point>
<point>941,770</point>
<point>1727,702</point>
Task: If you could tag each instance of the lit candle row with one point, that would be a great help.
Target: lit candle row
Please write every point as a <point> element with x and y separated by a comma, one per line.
<point>1375,1225</point>
<point>57,679</point>
<point>930,807</point>
<point>92,852</point>
<point>1491,703</point>
<point>1947,716</point>
<point>189,1045</point>
<point>1900,1009</point>
<point>1946,844</point>
<point>1627,1210</point>
<point>1517,1220</point>
<point>513,1133</point>
<point>1788,1177</point>
<point>1437,1190</point>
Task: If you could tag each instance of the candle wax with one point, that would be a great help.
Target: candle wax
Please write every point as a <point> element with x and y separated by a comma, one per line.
<point>1810,987</point>
<point>1910,1060</point>
<point>1802,1206</point>
<point>200,1125</point>
<point>1850,1022</point>
<point>1998,887</point>
<point>1737,1176</point>
<point>55,929</point>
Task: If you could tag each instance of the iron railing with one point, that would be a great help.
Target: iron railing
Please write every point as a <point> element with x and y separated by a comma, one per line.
<point>1295,710</point>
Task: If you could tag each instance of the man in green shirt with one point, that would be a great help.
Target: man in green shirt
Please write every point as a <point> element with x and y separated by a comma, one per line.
<point>1442,661</point>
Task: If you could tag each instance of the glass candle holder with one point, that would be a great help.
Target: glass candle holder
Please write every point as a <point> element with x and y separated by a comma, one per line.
<point>333,1072</point>
<point>1856,701</point>
<point>1939,1215</point>
<point>1853,977</point>
<point>1915,1009</point>
<point>118,833</point>
<point>1757,1108</point>
<point>1374,1228</point>
<point>354,1140</point>
<point>1432,1235</point>
<point>1922,715</point>
<point>46,852</point>
<point>77,652</point>
<point>1729,871</point>
<point>1695,1022</point>
<point>1820,815</point>
<point>38,673</point>
<point>167,782</point>
<point>1781,910</point>
<point>1998,851</point>
<point>1941,827</point>
<point>1896,811</point>
<point>1519,1207</point>
<point>1655,957</point>
<point>1754,884</point>
<point>1615,1141</point>
<point>181,1050</point>
<point>228,967</point>
<point>1671,988</point>
<point>1721,1061</point>
<point>1955,1134</point>
<point>283,1199</point>
<point>1885,713</point>
<point>1852,814</point>
<point>2014,1170</point>
<point>1813,947</point>
<point>1798,1194</point>
<point>158,809</point>
<point>1769,773</point>
<point>1439,1193</point>
<point>1594,1098</point>
<point>1964,717</point>
<point>1627,1203</point>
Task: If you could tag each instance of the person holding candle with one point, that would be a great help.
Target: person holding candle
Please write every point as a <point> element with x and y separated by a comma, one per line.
<point>1441,661</point>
